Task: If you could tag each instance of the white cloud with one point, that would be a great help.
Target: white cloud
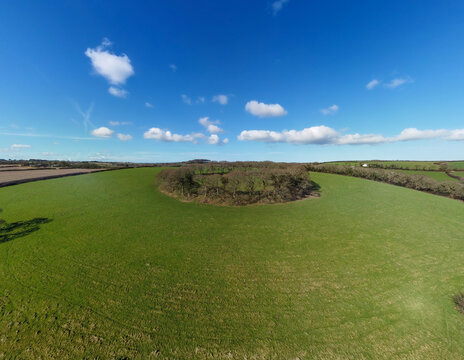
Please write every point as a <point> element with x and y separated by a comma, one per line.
<point>264,110</point>
<point>211,126</point>
<point>166,135</point>
<point>201,99</point>
<point>114,68</point>
<point>20,146</point>
<point>324,135</point>
<point>372,84</point>
<point>124,137</point>
<point>330,110</point>
<point>397,82</point>
<point>186,99</point>
<point>121,93</point>
<point>118,123</point>
<point>148,105</point>
<point>416,134</point>
<point>213,139</point>
<point>173,67</point>
<point>277,5</point>
<point>103,132</point>
<point>221,99</point>
<point>226,141</point>
<point>313,135</point>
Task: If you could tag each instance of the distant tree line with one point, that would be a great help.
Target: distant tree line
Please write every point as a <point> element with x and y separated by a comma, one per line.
<point>412,181</point>
<point>238,183</point>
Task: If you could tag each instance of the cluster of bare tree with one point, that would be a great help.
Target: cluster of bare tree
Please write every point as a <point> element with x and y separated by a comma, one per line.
<point>238,183</point>
<point>413,181</point>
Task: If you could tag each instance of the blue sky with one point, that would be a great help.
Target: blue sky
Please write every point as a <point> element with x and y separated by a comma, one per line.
<point>286,80</point>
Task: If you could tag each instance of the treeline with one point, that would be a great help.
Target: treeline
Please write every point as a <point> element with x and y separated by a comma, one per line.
<point>412,181</point>
<point>238,183</point>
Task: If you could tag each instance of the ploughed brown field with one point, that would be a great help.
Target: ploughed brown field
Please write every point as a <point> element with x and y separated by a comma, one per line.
<point>21,176</point>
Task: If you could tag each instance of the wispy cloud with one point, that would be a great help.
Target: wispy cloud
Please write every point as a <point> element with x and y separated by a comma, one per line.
<point>124,137</point>
<point>264,110</point>
<point>50,136</point>
<point>221,99</point>
<point>372,84</point>
<point>86,122</point>
<point>277,6</point>
<point>120,93</point>
<point>186,99</point>
<point>331,110</point>
<point>20,146</point>
<point>397,82</point>
<point>148,105</point>
<point>173,67</point>
<point>324,135</point>
<point>119,123</point>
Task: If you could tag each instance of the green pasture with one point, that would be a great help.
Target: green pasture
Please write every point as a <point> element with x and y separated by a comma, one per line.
<point>105,266</point>
<point>411,165</point>
<point>436,175</point>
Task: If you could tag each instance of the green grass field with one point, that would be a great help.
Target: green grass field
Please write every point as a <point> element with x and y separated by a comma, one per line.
<point>412,165</point>
<point>119,270</point>
<point>436,175</point>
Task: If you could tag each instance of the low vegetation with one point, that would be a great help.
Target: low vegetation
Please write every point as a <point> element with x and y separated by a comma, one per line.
<point>450,189</point>
<point>238,183</point>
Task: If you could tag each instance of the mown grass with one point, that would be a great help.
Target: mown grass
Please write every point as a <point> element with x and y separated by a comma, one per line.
<point>368,270</point>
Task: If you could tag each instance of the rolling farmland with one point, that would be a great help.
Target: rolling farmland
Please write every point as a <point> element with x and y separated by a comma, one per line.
<point>104,265</point>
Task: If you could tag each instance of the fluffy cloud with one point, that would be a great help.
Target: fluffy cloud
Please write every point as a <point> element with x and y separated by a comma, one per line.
<point>114,68</point>
<point>211,126</point>
<point>372,84</point>
<point>397,82</point>
<point>313,135</point>
<point>19,146</point>
<point>277,5</point>
<point>124,137</point>
<point>215,140</point>
<point>264,110</point>
<point>221,99</point>
<point>166,135</point>
<point>121,93</point>
<point>330,110</point>
<point>103,132</point>
<point>324,135</point>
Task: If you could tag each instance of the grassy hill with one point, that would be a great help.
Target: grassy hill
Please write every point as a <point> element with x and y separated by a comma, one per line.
<point>103,265</point>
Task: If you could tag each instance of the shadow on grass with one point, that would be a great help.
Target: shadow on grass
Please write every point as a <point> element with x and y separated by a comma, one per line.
<point>11,231</point>
<point>315,186</point>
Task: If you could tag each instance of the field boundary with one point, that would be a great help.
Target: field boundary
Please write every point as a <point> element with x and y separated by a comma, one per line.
<point>23,181</point>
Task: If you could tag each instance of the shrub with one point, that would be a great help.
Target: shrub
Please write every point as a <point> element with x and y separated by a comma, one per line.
<point>238,183</point>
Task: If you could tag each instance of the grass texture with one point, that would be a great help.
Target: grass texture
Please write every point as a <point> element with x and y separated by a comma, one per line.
<point>105,266</point>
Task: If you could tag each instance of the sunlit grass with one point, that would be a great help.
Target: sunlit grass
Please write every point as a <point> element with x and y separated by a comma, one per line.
<point>368,270</point>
